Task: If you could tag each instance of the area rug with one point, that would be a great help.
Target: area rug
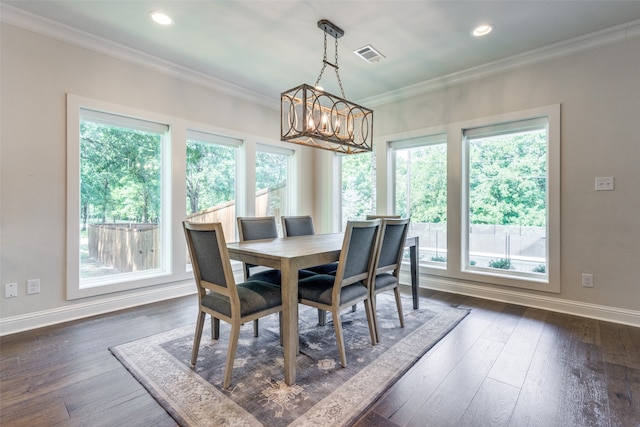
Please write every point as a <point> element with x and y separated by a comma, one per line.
<point>325,394</point>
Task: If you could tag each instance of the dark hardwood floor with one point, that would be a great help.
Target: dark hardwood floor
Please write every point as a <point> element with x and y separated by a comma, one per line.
<point>504,365</point>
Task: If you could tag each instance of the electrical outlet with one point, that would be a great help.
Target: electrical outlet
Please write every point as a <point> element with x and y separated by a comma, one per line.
<point>10,290</point>
<point>33,286</point>
<point>604,183</point>
<point>587,280</point>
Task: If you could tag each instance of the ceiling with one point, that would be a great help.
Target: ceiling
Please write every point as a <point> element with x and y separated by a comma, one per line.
<point>267,47</point>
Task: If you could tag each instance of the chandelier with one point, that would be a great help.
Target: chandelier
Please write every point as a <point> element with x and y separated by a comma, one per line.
<point>310,116</point>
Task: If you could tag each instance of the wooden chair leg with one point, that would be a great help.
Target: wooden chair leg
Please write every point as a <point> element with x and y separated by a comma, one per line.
<point>231,353</point>
<point>196,339</point>
<point>399,305</point>
<point>280,325</point>
<point>215,328</point>
<point>375,317</point>
<point>337,326</point>
<point>371,321</point>
<point>322,317</point>
<point>255,328</point>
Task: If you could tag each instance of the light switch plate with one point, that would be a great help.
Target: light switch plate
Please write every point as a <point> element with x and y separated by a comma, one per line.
<point>10,290</point>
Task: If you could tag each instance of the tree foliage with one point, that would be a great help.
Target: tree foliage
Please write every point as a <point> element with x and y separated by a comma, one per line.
<point>358,186</point>
<point>119,174</point>
<point>210,175</point>
<point>271,174</point>
<point>507,180</point>
<point>421,183</point>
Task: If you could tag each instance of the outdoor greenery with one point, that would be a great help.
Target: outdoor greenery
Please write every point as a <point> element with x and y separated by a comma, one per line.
<point>271,174</point>
<point>502,263</point>
<point>507,179</point>
<point>421,183</point>
<point>121,180</point>
<point>358,186</point>
<point>211,175</point>
<point>119,174</point>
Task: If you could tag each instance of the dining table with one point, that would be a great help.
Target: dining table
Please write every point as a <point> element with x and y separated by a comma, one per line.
<point>290,254</point>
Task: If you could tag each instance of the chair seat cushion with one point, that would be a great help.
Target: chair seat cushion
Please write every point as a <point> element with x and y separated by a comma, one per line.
<point>325,268</point>
<point>318,288</point>
<point>275,277</point>
<point>385,281</point>
<point>254,296</point>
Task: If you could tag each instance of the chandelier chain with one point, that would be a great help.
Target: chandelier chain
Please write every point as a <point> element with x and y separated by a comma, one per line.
<point>335,66</point>
<point>337,73</point>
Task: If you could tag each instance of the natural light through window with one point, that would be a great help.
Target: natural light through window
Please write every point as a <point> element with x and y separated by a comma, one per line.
<point>358,178</point>
<point>420,192</point>
<point>507,198</point>
<point>273,168</point>
<point>121,212</point>
<point>211,180</point>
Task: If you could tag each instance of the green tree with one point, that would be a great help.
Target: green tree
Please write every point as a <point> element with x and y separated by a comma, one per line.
<point>507,180</point>
<point>119,174</point>
<point>421,183</point>
<point>210,175</point>
<point>358,186</point>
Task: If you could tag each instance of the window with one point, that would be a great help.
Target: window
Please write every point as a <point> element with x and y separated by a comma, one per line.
<point>420,192</point>
<point>358,176</point>
<point>506,198</point>
<point>484,198</point>
<point>133,176</point>
<point>118,228</point>
<point>273,189</point>
<point>211,179</point>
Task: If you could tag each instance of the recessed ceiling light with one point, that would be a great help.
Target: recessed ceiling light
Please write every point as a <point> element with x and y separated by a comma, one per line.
<point>482,30</point>
<point>161,18</point>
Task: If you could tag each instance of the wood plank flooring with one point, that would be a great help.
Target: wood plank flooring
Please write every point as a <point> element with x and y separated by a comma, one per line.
<point>504,365</point>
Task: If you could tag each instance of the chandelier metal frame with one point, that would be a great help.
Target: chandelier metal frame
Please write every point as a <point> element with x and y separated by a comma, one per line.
<point>312,117</point>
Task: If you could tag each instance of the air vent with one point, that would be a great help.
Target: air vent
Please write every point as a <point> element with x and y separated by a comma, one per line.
<point>369,54</point>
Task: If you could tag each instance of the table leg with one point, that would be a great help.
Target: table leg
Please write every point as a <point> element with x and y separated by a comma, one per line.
<point>289,321</point>
<point>414,257</point>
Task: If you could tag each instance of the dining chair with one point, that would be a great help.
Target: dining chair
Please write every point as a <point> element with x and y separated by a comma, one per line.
<point>349,285</point>
<point>258,228</point>
<point>369,217</point>
<point>302,225</point>
<point>387,263</point>
<point>219,295</point>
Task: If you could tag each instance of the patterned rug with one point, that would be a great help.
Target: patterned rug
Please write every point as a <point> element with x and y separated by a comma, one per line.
<point>325,394</point>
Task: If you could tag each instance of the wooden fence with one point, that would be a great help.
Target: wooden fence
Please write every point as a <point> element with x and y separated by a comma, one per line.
<point>135,247</point>
<point>127,247</point>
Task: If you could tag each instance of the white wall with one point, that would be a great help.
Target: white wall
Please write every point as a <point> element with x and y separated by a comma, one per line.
<point>599,93</point>
<point>37,72</point>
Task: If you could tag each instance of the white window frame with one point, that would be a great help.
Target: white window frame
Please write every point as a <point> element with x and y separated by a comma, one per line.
<point>337,173</point>
<point>292,187</point>
<point>75,288</point>
<point>413,142</point>
<point>551,280</point>
<point>456,196</point>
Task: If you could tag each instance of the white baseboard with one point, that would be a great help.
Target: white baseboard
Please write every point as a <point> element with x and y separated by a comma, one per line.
<point>593,311</point>
<point>11,325</point>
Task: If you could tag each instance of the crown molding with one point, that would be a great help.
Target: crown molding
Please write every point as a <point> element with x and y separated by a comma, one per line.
<point>568,47</point>
<point>26,20</point>
<point>37,24</point>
